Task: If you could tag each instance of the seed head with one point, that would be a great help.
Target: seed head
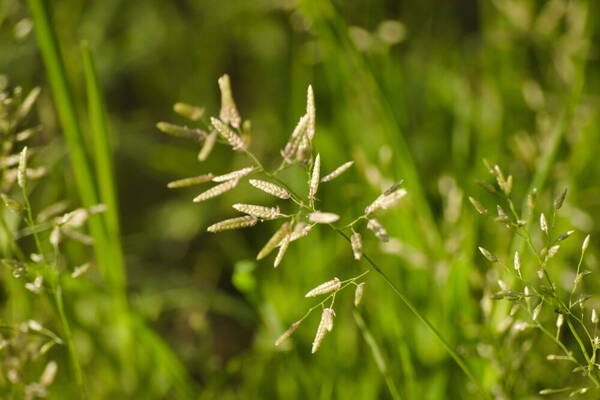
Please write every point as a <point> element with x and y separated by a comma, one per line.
<point>320,217</point>
<point>310,113</point>
<point>229,113</point>
<point>558,203</point>
<point>216,190</point>
<point>490,257</point>
<point>287,333</point>
<point>543,223</point>
<point>337,172</point>
<point>258,211</point>
<point>357,247</point>
<point>274,241</point>
<point>283,246</point>
<point>301,229</point>
<point>234,140</point>
<point>295,140</point>
<point>181,131</point>
<point>208,145</point>
<point>552,251</point>
<point>536,311</point>
<point>378,230</point>
<point>240,173</point>
<point>233,223</point>
<point>314,178</point>
<point>271,188</point>
<point>22,169</point>
<point>325,325</point>
<point>586,243</point>
<point>385,201</point>
<point>564,236</point>
<point>358,293</point>
<point>560,320</point>
<point>324,288</point>
<point>192,113</point>
<point>186,182</point>
<point>517,263</point>
<point>478,206</point>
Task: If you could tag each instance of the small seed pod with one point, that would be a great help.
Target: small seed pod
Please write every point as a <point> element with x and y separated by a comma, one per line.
<point>385,201</point>
<point>207,147</point>
<point>594,317</point>
<point>270,188</point>
<point>258,211</point>
<point>187,182</point>
<point>181,131</point>
<point>357,247</point>
<point>234,140</point>
<point>188,111</point>
<point>314,178</point>
<point>337,172</point>
<point>233,223</point>
<point>320,217</point>
<point>287,333</point>
<point>274,241</point>
<point>325,325</point>
<point>558,203</point>
<point>324,288</point>
<point>543,223</point>
<point>490,257</point>
<point>229,113</point>
<point>517,263</point>
<point>295,140</point>
<point>216,190</point>
<point>478,206</point>
<point>283,246</point>
<point>358,293</point>
<point>240,173</point>
<point>22,169</point>
<point>310,113</point>
<point>378,230</point>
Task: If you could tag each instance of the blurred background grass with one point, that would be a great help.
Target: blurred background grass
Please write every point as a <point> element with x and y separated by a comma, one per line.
<point>415,90</point>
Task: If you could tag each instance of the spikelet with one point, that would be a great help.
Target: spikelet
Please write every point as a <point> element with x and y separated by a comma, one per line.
<point>490,257</point>
<point>287,333</point>
<point>337,172</point>
<point>314,178</point>
<point>586,243</point>
<point>304,151</point>
<point>258,211</point>
<point>188,111</point>
<point>378,230</point>
<point>564,236</point>
<point>271,188</point>
<point>216,190</point>
<point>22,169</point>
<point>295,140</point>
<point>558,203</point>
<point>186,182</point>
<point>358,293</point>
<point>324,288</point>
<point>543,223</point>
<point>385,201</point>
<point>233,223</point>
<point>310,113</point>
<point>594,317</point>
<point>228,134</point>
<point>325,325</point>
<point>301,229</point>
<point>517,263</point>
<point>240,173</point>
<point>320,217</point>
<point>274,241</point>
<point>283,246</point>
<point>357,247</point>
<point>229,113</point>
<point>181,131</point>
<point>478,206</point>
<point>207,147</point>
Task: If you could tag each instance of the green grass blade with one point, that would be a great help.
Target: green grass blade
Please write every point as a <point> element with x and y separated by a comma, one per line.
<point>65,106</point>
<point>103,157</point>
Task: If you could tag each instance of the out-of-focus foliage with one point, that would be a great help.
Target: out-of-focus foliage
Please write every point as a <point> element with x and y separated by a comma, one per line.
<point>420,90</point>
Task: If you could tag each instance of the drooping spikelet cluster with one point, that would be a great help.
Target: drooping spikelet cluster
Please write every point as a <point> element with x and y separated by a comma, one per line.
<point>230,129</point>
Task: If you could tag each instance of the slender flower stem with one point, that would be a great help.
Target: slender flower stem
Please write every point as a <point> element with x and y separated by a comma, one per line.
<point>461,363</point>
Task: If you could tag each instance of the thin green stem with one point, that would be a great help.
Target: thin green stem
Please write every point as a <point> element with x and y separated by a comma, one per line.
<point>461,363</point>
